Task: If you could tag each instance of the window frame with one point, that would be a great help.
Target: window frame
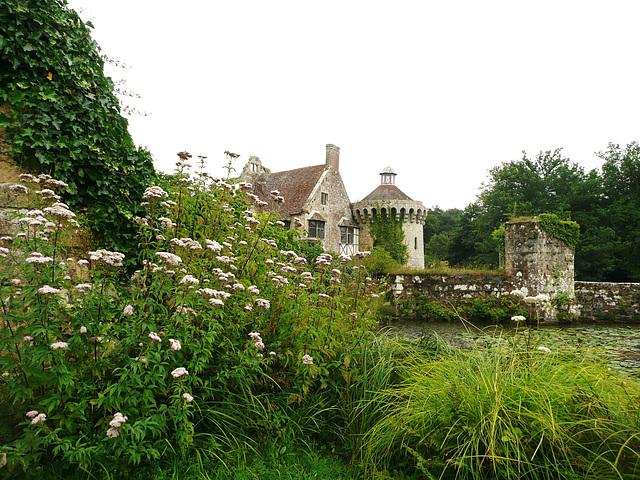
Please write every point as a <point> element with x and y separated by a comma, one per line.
<point>316,229</point>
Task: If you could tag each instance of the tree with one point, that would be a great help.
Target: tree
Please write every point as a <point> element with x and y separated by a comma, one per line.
<point>619,212</point>
<point>65,118</point>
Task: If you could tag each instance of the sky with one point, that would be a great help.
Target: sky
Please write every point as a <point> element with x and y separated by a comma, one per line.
<point>441,91</point>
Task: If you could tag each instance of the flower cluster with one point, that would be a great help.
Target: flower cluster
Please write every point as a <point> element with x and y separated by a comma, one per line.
<point>115,424</point>
<point>36,418</point>
<point>110,258</point>
<point>179,372</point>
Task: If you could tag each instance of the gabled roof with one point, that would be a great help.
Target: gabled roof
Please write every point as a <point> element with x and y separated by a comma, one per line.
<point>294,185</point>
<point>386,192</point>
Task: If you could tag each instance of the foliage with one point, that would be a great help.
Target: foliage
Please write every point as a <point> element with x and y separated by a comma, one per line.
<point>65,119</point>
<point>493,310</point>
<point>387,233</point>
<point>380,262</point>
<point>506,413</point>
<point>604,203</point>
<point>223,341</point>
<point>565,230</point>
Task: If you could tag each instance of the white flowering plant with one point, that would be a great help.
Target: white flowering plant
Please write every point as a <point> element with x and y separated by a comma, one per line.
<point>87,343</point>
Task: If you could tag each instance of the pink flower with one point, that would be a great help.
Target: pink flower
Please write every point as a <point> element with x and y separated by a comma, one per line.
<point>118,420</point>
<point>39,418</point>
<point>31,413</point>
<point>259,345</point>
<point>187,397</point>
<point>83,329</point>
<point>113,432</point>
<point>155,337</point>
<point>57,345</point>
<point>175,344</point>
<point>216,302</point>
<point>47,290</point>
<point>261,302</point>
<point>128,310</point>
<point>307,360</point>
<point>179,372</point>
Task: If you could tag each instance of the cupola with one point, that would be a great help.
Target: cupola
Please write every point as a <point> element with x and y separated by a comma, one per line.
<point>388,176</point>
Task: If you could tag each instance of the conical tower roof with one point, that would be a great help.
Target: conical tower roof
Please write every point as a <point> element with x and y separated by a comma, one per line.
<point>387,189</point>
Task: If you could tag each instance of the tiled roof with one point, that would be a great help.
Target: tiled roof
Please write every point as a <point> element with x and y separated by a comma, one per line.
<point>294,185</point>
<point>387,192</point>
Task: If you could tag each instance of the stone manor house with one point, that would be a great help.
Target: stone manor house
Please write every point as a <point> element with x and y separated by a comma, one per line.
<point>317,197</point>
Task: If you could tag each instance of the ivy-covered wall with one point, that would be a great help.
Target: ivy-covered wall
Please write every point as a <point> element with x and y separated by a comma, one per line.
<point>61,117</point>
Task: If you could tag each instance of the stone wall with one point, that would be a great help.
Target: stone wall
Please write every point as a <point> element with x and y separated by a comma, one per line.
<point>452,288</point>
<point>602,301</point>
<point>540,262</point>
<point>536,260</point>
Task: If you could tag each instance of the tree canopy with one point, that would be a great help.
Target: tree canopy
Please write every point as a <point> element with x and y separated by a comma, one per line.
<point>605,203</point>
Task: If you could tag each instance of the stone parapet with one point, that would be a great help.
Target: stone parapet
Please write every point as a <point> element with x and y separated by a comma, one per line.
<point>411,211</point>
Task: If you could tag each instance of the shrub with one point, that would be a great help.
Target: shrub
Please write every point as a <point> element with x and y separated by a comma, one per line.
<point>222,340</point>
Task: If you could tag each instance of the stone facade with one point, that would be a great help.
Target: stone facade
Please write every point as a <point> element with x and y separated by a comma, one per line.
<point>454,289</point>
<point>9,174</point>
<point>536,260</point>
<point>314,195</point>
<point>388,200</point>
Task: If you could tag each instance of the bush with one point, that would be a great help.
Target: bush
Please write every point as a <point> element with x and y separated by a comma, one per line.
<point>380,262</point>
<point>224,340</point>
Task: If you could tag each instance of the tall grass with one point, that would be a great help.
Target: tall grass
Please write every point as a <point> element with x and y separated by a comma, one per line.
<point>490,414</point>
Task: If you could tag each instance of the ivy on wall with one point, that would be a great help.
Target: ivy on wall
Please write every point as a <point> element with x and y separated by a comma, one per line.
<point>65,119</point>
<point>387,233</point>
<point>565,230</point>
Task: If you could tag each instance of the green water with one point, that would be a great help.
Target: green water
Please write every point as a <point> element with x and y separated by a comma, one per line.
<point>617,344</point>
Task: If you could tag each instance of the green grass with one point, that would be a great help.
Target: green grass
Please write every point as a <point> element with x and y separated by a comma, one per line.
<point>276,462</point>
<point>507,414</point>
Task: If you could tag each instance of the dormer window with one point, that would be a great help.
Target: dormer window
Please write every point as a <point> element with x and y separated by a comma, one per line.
<point>324,198</point>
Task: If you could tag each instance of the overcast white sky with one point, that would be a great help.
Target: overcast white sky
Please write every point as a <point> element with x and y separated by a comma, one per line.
<point>441,91</point>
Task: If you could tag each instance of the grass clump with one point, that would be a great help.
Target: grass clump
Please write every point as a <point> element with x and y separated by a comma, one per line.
<point>506,414</point>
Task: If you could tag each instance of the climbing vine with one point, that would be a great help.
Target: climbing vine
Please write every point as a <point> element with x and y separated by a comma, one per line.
<point>565,230</point>
<point>64,117</point>
<point>387,233</point>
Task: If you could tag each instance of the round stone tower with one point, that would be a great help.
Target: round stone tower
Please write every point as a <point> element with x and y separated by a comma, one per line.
<point>389,200</point>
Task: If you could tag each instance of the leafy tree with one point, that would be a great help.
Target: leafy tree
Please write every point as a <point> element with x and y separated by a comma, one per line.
<point>618,214</point>
<point>64,117</point>
<point>438,230</point>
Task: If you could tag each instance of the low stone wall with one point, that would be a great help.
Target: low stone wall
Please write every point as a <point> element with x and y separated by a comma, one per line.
<point>455,288</point>
<point>593,301</point>
<point>602,301</point>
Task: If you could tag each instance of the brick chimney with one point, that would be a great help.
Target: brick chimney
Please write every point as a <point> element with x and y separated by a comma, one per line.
<point>333,157</point>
